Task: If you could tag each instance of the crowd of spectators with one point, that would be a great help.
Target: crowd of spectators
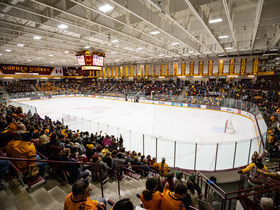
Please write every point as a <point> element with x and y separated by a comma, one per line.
<point>24,135</point>
<point>19,86</point>
<point>56,142</point>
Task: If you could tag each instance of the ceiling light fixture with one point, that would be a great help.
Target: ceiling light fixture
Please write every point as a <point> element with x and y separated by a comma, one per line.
<point>228,48</point>
<point>216,20</point>
<point>20,45</point>
<point>8,50</point>
<point>86,47</point>
<point>139,48</point>
<point>66,51</point>
<point>105,8</point>
<point>37,37</point>
<point>113,52</point>
<point>154,32</point>
<point>175,43</point>
<point>115,41</point>
<point>223,37</point>
<point>62,26</point>
<point>51,55</point>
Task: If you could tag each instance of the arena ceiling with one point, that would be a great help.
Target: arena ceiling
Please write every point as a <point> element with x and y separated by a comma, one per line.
<point>136,31</point>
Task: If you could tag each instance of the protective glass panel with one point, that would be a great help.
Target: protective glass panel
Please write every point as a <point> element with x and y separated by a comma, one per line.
<point>185,154</point>
<point>126,138</point>
<point>166,149</point>
<point>241,158</point>
<point>206,154</point>
<point>104,128</point>
<point>137,141</point>
<point>150,145</point>
<point>225,155</point>
<point>113,130</point>
<point>93,127</point>
<point>256,142</point>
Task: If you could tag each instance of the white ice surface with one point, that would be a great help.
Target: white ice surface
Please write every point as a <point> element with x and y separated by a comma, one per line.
<point>175,123</point>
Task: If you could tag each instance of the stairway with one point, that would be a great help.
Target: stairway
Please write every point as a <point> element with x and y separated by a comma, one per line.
<point>182,94</point>
<point>51,195</point>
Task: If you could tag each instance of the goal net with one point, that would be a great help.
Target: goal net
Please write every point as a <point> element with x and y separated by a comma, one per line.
<point>229,128</point>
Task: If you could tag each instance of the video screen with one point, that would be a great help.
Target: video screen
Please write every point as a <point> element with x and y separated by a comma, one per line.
<point>81,60</point>
<point>97,60</point>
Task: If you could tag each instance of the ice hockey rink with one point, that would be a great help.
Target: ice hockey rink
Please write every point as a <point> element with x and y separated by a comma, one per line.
<point>183,125</point>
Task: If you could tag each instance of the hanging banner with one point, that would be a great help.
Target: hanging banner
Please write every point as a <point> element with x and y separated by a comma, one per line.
<point>191,68</point>
<point>117,71</point>
<point>112,71</point>
<point>231,66</point>
<point>256,63</point>
<point>160,70</point>
<point>243,66</point>
<point>154,70</point>
<point>183,69</point>
<point>121,71</point>
<point>221,67</point>
<point>175,67</point>
<point>135,71</point>
<point>200,68</point>
<point>210,67</point>
<point>131,71</point>
<point>104,72</point>
<point>167,73</point>
<point>142,68</point>
<point>147,70</point>
<point>108,72</point>
<point>126,71</point>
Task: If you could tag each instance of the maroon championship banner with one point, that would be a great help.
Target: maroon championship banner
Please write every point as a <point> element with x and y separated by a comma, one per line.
<point>25,70</point>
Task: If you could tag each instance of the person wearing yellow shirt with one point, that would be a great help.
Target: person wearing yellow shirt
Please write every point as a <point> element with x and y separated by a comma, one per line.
<point>252,169</point>
<point>163,167</point>
<point>79,197</point>
<point>151,199</point>
<point>174,200</point>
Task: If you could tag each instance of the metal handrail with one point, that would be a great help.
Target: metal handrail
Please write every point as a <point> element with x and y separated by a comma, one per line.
<point>59,162</point>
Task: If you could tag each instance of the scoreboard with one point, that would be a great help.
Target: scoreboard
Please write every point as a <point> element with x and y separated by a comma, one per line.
<point>88,59</point>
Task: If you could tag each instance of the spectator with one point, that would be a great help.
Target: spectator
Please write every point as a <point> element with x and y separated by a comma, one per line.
<point>116,162</point>
<point>193,193</point>
<point>173,200</point>
<point>123,204</point>
<point>179,178</point>
<point>105,150</point>
<point>4,165</point>
<point>196,187</point>
<point>74,169</point>
<point>79,197</point>
<point>151,199</point>
<point>169,179</point>
<point>108,159</point>
<point>95,168</point>
<point>106,141</point>
<point>25,149</point>
<point>5,135</point>
<point>163,167</point>
<point>252,169</point>
<point>267,203</point>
